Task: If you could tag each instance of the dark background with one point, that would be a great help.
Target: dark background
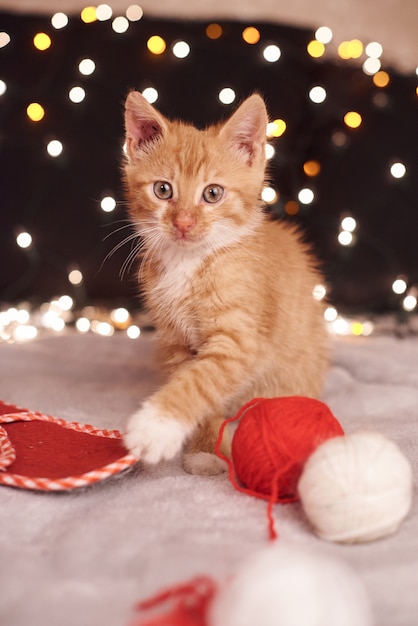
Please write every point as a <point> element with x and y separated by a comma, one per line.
<point>58,200</point>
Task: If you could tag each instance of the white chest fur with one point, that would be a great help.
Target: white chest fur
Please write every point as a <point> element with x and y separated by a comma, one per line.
<point>179,267</point>
<point>173,287</point>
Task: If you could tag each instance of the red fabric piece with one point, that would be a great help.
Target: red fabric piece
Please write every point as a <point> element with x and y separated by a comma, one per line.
<point>190,604</point>
<point>9,408</point>
<point>45,449</point>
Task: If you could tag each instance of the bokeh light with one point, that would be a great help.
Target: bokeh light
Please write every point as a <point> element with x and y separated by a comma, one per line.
<point>214,31</point>
<point>120,316</point>
<point>24,239</point>
<point>311,168</point>
<point>227,95</point>
<point>410,302</point>
<point>355,48</point>
<point>83,324</point>
<point>88,15</point>
<point>349,224</point>
<point>306,196</point>
<point>75,277</point>
<point>86,67</point>
<point>59,20</point>
<point>374,50</point>
<point>54,148</point>
<point>343,51</point>
<point>398,170</point>
<point>272,53</point>
<point>150,94</point>
<point>381,79</point>
<point>120,24</point>
<point>352,49</point>
<point>291,207</point>
<point>104,12</point>
<point>133,331</point>
<point>156,44</point>
<point>316,49</point>
<point>345,238</point>
<point>77,94</point>
<point>108,204</point>
<point>317,94</point>
<point>324,34</point>
<point>276,128</point>
<point>269,195</point>
<point>35,112</point>
<point>181,49</point>
<point>371,66</point>
<point>352,119</point>
<point>251,35</point>
<point>399,286</point>
<point>270,151</point>
<point>134,13</point>
<point>330,314</point>
<point>4,39</point>
<point>319,292</point>
<point>42,41</point>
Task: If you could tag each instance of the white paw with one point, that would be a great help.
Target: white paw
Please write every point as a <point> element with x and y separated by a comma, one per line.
<point>152,437</point>
<point>204,464</point>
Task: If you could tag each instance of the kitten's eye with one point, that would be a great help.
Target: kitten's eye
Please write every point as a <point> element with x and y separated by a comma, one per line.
<point>213,193</point>
<point>163,190</point>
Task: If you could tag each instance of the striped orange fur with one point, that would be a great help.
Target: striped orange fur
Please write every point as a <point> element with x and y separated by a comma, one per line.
<point>229,290</point>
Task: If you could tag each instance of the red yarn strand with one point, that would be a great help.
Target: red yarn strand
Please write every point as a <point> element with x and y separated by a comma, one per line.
<point>228,461</point>
<point>224,424</point>
<point>272,499</point>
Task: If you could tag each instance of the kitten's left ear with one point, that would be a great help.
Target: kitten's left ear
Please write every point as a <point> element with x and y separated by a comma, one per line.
<point>143,123</point>
<point>245,130</point>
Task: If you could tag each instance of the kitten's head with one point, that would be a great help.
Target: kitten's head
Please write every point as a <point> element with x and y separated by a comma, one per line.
<point>191,188</point>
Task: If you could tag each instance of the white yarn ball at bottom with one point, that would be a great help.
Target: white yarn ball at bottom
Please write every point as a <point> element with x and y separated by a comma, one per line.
<point>289,586</point>
<point>356,488</point>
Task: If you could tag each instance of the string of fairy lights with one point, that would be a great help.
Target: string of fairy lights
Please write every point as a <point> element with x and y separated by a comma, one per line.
<point>23,321</point>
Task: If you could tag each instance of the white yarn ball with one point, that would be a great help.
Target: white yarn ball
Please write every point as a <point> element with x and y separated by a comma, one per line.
<point>288,586</point>
<point>356,488</point>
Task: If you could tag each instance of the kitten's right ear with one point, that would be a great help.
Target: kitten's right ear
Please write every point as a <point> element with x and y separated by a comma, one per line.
<point>143,123</point>
<point>245,131</point>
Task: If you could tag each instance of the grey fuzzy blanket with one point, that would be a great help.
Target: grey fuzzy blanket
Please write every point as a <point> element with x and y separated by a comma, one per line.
<point>85,558</point>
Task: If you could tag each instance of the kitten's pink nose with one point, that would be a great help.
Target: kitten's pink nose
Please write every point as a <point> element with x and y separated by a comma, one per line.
<point>183,222</point>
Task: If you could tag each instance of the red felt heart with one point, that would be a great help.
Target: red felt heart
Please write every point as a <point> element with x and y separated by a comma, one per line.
<point>38,451</point>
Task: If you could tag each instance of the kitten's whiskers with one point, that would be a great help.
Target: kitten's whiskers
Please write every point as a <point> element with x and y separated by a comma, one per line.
<point>152,244</point>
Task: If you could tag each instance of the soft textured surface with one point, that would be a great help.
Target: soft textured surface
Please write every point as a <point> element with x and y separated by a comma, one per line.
<point>88,556</point>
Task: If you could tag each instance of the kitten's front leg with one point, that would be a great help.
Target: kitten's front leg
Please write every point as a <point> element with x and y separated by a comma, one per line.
<point>198,390</point>
<point>153,436</point>
<point>172,359</point>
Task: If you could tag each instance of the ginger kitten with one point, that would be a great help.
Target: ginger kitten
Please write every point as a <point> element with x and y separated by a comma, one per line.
<point>229,290</point>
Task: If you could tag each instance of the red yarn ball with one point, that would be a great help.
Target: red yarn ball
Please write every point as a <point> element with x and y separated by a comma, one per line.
<point>274,439</point>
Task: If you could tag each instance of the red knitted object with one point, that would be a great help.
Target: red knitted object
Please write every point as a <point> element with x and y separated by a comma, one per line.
<point>271,444</point>
<point>190,604</point>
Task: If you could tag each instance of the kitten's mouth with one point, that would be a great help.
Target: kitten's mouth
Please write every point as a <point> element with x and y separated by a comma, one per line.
<point>186,239</point>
